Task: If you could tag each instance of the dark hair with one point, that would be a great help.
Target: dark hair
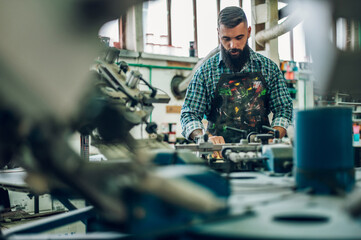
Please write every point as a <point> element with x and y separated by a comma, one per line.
<point>231,17</point>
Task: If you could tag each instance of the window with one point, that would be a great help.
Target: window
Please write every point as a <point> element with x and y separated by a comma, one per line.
<point>299,44</point>
<point>155,27</point>
<point>182,26</point>
<point>207,26</point>
<point>228,3</point>
<point>110,30</point>
<point>246,5</point>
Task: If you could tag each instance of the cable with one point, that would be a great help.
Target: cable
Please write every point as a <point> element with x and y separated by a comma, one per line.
<point>161,90</point>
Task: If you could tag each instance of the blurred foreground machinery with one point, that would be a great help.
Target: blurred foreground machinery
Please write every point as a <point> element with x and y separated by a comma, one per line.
<point>53,94</point>
<point>117,104</point>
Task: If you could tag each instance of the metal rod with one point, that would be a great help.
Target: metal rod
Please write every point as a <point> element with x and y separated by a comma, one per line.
<point>169,18</point>
<point>218,10</point>
<point>122,31</point>
<point>36,204</point>
<point>195,27</point>
<point>359,35</point>
<point>150,82</point>
<point>84,147</point>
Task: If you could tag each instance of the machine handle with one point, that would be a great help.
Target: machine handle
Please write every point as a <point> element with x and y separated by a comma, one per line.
<point>275,132</point>
<point>154,90</point>
<point>243,132</point>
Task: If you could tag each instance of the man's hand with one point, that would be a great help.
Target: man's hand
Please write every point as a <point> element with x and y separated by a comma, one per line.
<point>281,130</point>
<point>217,140</point>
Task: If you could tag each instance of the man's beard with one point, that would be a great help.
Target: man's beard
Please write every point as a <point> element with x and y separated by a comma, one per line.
<point>235,63</point>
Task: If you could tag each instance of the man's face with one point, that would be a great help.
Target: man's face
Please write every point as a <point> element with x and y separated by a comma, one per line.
<point>234,39</point>
<point>234,47</point>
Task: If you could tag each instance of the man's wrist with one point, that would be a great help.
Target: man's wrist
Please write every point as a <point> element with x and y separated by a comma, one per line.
<point>195,133</point>
<point>282,131</point>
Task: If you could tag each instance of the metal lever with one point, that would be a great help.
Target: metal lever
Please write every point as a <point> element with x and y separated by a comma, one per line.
<point>275,132</point>
<point>264,137</point>
<point>154,90</point>
<point>243,132</point>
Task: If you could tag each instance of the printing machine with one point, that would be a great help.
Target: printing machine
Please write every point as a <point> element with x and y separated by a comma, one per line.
<point>247,155</point>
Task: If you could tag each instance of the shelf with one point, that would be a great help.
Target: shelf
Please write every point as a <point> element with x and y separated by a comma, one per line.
<point>356,112</point>
<point>325,101</point>
<point>306,72</point>
<point>348,103</point>
<point>356,120</point>
<point>291,80</point>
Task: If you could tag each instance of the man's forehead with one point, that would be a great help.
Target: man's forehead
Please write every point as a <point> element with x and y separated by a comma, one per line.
<point>237,30</point>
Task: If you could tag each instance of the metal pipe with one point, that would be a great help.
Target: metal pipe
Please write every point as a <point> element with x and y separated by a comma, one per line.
<point>184,84</point>
<point>169,18</point>
<point>264,36</point>
<point>195,26</point>
<point>359,35</point>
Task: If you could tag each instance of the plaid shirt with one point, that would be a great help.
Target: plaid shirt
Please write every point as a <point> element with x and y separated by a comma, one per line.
<point>201,91</point>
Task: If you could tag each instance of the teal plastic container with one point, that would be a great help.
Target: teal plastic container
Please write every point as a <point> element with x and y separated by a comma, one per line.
<point>323,150</point>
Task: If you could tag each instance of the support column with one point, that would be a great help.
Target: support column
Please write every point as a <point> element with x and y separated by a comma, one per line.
<point>265,16</point>
<point>134,28</point>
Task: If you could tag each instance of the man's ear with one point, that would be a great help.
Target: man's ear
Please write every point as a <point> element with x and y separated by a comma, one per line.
<point>249,31</point>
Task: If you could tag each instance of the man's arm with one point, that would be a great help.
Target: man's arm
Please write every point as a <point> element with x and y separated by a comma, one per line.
<point>280,102</point>
<point>194,106</point>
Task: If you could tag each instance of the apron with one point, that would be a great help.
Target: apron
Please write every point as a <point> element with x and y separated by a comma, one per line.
<point>240,101</point>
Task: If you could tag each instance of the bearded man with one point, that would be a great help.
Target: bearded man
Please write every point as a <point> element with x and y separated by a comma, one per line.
<point>235,88</point>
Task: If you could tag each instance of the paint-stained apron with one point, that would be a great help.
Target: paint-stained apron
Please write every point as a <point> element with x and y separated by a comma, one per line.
<point>241,101</point>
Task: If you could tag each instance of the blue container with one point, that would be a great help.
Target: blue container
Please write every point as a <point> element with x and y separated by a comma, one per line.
<point>356,137</point>
<point>323,150</point>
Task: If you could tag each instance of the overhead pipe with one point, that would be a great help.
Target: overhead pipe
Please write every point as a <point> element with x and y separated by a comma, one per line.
<point>180,87</point>
<point>266,35</point>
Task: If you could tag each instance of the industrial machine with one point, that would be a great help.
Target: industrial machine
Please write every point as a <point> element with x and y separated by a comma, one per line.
<point>127,193</point>
<point>253,153</point>
<point>130,196</point>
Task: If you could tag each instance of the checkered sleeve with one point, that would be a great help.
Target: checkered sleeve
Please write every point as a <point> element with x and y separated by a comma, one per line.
<point>194,105</point>
<point>280,100</point>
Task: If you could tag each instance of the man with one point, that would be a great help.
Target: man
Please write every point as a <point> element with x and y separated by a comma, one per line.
<point>237,88</point>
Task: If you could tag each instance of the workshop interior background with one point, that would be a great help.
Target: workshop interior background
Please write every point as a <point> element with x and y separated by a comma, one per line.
<point>90,135</point>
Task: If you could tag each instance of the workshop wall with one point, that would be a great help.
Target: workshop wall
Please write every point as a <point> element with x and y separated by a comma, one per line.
<point>161,79</point>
